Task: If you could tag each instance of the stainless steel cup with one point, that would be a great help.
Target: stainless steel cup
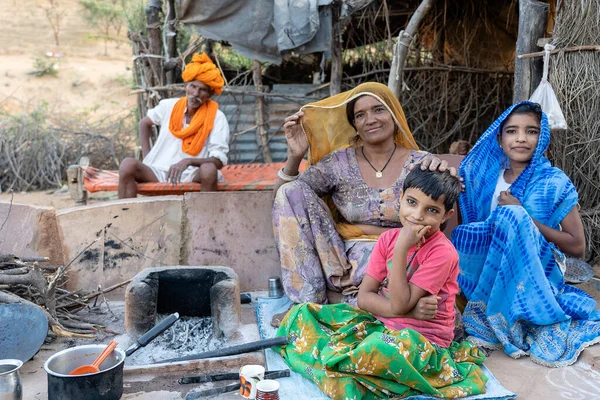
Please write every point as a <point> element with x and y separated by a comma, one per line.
<point>10,380</point>
<point>275,287</point>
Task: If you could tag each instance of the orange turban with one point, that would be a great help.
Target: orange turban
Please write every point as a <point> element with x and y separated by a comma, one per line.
<point>204,70</point>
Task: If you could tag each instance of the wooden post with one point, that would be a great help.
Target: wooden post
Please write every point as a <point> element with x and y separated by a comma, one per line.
<point>171,41</point>
<point>402,46</point>
<point>75,182</point>
<point>335,82</point>
<point>155,44</point>
<point>533,16</point>
<point>261,127</point>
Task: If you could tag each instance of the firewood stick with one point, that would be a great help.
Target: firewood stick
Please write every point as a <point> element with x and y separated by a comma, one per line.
<point>108,289</point>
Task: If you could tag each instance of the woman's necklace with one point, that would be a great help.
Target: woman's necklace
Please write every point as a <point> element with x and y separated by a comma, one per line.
<point>379,174</point>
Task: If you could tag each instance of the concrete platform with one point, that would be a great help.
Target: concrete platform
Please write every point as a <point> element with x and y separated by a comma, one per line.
<point>528,380</point>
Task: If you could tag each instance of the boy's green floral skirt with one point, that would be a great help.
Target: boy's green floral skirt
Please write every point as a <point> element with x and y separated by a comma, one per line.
<point>349,354</point>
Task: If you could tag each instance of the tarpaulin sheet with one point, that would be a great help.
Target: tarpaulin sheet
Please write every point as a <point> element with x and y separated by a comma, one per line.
<point>261,29</point>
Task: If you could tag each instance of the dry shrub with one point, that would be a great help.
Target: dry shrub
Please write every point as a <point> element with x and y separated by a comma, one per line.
<point>36,149</point>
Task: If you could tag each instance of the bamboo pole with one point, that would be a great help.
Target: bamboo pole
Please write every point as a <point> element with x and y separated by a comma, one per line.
<point>335,80</point>
<point>402,46</point>
<point>262,127</point>
<point>564,50</point>
<point>171,36</point>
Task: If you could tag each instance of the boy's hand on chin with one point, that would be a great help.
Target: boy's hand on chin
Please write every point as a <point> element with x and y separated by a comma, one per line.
<point>410,235</point>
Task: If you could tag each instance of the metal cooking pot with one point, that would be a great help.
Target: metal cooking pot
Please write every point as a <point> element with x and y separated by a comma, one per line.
<point>10,381</point>
<point>106,384</point>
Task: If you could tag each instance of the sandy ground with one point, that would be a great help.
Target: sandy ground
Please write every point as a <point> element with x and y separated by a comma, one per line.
<point>57,199</point>
<point>87,81</point>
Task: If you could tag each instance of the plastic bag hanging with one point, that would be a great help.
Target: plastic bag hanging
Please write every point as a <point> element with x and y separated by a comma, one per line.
<point>544,95</point>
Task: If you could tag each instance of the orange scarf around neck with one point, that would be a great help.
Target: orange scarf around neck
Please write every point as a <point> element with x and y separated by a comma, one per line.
<point>194,136</point>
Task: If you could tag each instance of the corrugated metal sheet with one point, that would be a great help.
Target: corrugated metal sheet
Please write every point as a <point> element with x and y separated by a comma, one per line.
<point>240,112</point>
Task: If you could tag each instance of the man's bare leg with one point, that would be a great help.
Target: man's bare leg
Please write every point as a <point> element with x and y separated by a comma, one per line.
<point>131,172</point>
<point>207,175</point>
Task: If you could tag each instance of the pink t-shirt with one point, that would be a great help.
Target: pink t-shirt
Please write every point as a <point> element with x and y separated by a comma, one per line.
<point>435,269</point>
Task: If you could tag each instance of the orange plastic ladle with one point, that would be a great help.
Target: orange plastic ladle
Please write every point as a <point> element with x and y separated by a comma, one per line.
<point>95,366</point>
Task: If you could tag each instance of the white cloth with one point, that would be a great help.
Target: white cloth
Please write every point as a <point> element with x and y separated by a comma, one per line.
<point>167,149</point>
<point>501,186</point>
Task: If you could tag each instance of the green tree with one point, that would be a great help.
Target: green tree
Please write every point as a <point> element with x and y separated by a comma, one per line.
<point>54,15</point>
<point>104,16</point>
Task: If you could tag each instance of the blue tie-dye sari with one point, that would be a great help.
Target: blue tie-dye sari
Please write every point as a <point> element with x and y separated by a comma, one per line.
<point>517,296</point>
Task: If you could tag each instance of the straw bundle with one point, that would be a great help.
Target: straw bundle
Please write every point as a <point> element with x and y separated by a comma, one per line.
<point>575,77</point>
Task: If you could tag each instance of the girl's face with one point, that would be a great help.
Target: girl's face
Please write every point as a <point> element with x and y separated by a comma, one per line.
<point>373,121</point>
<point>519,137</point>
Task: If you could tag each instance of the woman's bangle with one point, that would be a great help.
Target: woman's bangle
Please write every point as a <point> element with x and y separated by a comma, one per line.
<point>285,177</point>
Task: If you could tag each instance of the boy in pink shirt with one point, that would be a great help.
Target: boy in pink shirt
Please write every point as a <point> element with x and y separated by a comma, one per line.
<point>417,260</point>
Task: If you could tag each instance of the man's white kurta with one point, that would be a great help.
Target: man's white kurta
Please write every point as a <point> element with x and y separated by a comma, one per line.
<point>167,149</point>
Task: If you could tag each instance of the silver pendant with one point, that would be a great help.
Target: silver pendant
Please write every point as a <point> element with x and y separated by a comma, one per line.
<point>378,174</point>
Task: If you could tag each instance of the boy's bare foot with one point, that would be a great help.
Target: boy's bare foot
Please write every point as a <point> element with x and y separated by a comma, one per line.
<point>277,318</point>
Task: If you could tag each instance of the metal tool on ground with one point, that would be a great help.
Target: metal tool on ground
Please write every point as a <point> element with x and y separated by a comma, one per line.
<point>233,350</point>
<point>152,333</point>
<point>22,330</point>
<point>284,373</point>
<point>95,366</point>
<point>200,394</point>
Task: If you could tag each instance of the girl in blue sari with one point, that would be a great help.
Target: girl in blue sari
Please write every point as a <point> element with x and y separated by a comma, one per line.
<point>519,218</point>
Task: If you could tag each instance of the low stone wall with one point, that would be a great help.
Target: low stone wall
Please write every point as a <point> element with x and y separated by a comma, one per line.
<point>232,229</point>
<point>30,231</point>
<point>111,242</point>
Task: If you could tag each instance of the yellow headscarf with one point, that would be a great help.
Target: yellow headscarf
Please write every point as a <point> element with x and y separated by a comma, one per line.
<point>327,129</point>
<point>326,124</point>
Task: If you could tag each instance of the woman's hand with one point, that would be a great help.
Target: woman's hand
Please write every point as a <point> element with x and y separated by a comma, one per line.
<point>507,199</point>
<point>295,136</point>
<point>426,308</point>
<point>433,163</point>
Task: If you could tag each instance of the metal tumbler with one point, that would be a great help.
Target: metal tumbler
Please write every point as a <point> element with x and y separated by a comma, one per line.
<point>275,287</point>
<point>10,380</point>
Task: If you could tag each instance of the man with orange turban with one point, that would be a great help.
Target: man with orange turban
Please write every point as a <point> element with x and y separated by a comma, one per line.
<point>193,140</point>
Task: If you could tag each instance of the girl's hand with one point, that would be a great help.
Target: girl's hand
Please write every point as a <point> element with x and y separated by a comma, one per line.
<point>426,308</point>
<point>295,136</point>
<point>507,199</point>
<point>410,235</point>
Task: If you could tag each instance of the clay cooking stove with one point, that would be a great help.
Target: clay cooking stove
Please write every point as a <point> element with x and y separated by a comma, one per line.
<point>190,291</point>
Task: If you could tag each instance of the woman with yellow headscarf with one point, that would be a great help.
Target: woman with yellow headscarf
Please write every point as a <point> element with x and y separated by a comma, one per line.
<point>327,219</point>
